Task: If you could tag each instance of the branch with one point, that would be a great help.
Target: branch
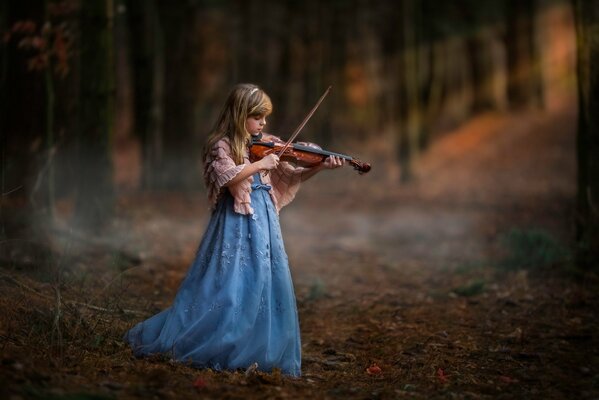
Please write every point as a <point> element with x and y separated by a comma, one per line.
<point>77,303</point>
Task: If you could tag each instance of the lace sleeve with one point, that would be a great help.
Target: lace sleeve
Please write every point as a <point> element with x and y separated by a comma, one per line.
<point>219,169</point>
<point>286,181</point>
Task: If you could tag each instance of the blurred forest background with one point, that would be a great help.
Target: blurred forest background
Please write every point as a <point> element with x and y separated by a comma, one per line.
<point>101,98</point>
<point>105,106</point>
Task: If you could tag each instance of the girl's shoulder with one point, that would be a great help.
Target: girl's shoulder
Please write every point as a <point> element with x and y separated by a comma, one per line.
<point>222,144</point>
<point>221,148</point>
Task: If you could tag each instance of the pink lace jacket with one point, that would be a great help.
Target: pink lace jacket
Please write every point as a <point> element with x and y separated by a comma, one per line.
<point>220,168</point>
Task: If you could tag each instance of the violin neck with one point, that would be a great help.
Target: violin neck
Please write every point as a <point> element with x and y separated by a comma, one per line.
<point>321,151</point>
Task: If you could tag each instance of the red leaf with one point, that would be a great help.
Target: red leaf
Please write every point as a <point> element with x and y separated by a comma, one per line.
<point>199,383</point>
<point>507,379</point>
<point>37,42</point>
<point>442,376</point>
<point>25,27</point>
<point>373,369</point>
<point>29,26</point>
<point>61,51</point>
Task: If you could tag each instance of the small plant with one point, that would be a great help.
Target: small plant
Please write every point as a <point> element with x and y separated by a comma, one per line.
<point>531,249</point>
<point>317,290</point>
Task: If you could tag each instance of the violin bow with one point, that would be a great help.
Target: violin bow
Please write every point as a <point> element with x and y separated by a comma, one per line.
<point>304,122</point>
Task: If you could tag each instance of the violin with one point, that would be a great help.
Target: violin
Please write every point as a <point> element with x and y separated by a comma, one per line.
<point>301,154</point>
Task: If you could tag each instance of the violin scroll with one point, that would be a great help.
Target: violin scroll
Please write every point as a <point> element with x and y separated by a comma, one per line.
<point>361,167</point>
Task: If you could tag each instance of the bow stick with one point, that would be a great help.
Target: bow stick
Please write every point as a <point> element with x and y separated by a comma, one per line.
<point>301,126</point>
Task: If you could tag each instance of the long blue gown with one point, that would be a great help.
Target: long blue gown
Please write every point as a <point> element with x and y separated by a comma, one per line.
<point>236,306</point>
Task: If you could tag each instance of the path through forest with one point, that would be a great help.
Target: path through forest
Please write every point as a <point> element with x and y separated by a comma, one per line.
<point>399,287</point>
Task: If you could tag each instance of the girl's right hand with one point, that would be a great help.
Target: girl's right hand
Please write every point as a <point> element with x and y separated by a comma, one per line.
<point>269,162</point>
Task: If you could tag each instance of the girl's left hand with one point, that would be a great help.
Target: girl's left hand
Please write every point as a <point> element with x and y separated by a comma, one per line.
<point>333,162</point>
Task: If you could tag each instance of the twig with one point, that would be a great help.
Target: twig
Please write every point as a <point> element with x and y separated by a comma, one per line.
<point>78,303</point>
<point>41,173</point>
<point>119,275</point>
<point>592,206</point>
<point>12,190</point>
<point>56,323</point>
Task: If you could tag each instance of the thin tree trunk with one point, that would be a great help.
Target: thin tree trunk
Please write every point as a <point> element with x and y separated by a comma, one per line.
<point>22,127</point>
<point>523,56</point>
<point>482,71</point>
<point>408,140</point>
<point>434,91</point>
<point>50,139</point>
<point>587,15</point>
<point>147,53</point>
<point>180,142</point>
<point>4,8</point>
<point>95,193</point>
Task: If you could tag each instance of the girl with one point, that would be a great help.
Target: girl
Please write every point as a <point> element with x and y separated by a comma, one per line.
<point>236,306</point>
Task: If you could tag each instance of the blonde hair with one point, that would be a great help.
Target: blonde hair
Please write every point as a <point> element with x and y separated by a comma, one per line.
<point>245,100</point>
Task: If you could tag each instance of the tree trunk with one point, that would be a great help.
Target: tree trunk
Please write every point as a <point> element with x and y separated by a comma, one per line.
<point>482,70</point>
<point>181,141</point>
<point>409,134</point>
<point>587,15</point>
<point>434,88</point>
<point>524,84</point>
<point>3,136</point>
<point>22,124</point>
<point>147,53</point>
<point>95,193</point>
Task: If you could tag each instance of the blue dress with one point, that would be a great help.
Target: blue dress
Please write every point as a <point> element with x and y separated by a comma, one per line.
<point>236,306</point>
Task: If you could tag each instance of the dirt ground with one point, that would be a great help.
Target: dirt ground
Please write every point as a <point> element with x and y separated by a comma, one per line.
<point>416,291</point>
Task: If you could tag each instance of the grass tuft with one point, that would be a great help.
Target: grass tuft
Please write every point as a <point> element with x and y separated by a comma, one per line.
<point>531,249</point>
<point>473,288</point>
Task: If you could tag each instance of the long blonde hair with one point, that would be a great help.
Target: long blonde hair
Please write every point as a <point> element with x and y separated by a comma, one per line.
<point>245,100</point>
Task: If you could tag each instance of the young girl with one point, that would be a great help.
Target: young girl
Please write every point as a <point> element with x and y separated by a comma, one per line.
<point>236,306</point>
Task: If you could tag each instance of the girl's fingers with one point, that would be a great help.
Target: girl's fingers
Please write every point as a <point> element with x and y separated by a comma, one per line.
<point>333,162</point>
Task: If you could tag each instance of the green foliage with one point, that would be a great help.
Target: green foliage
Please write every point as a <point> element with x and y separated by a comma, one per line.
<point>98,341</point>
<point>317,290</point>
<point>471,289</point>
<point>469,267</point>
<point>531,249</point>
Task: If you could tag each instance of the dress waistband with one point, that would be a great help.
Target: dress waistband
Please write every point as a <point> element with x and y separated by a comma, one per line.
<point>261,186</point>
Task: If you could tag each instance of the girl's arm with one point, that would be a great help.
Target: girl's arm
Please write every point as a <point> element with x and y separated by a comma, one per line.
<point>269,162</point>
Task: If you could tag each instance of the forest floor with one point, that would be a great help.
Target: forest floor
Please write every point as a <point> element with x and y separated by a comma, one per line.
<point>457,285</point>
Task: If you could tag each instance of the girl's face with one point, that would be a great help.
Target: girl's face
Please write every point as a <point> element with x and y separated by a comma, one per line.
<point>255,123</point>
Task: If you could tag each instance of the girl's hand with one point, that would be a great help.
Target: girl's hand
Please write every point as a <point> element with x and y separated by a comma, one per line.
<point>269,162</point>
<point>333,162</point>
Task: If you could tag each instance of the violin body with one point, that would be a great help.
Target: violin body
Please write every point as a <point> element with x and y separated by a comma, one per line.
<point>301,154</point>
